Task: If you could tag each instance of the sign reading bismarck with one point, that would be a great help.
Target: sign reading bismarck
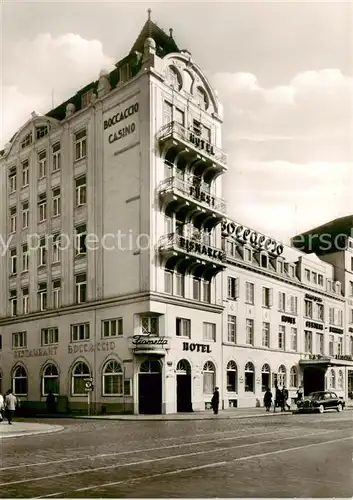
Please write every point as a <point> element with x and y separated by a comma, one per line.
<point>121,126</point>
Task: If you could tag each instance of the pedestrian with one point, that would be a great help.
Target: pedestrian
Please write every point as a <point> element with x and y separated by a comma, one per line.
<point>2,407</point>
<point>51,403</point>
<point>278,398</point>
<point>268,399</point>
<point>10,405</point>
<point>300,394</point>
<point>285,397</point>
<point>215,401</point>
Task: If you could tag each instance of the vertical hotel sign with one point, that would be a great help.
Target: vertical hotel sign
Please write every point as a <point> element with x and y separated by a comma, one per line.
<point>121,126</point>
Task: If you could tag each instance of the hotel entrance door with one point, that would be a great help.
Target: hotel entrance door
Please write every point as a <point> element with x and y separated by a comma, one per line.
<point>183,389</point>
<point>150,388</point>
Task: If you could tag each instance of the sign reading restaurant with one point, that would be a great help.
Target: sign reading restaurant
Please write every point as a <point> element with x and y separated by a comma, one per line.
<point>34,353</point>
<point>256,240</point>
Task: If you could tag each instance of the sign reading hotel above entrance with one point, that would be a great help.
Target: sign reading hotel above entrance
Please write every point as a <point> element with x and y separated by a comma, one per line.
<point>193,246</point>
<point>312,324</point>
<point>149,344</point>
<point>333,329</point>
<point>201,144</point>
<point>121,126</point>
<point>89,347</point>
<point>287,319</point>
<point>255,239</point>
<point>320,357</point>
<point>40,351</point>
<point>190,346</point>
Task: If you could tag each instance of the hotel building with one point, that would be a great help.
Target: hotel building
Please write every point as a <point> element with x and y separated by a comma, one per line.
<point>119,266</point>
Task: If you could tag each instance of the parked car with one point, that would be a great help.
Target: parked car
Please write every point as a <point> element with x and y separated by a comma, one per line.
<point>320,401</point>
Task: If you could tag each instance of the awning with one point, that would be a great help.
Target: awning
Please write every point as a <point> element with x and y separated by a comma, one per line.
<point>320,360</point>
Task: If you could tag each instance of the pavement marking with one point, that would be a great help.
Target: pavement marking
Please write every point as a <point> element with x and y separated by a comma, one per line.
<point>206,466</point>
<point>151,460</point>
<point>130,452</point>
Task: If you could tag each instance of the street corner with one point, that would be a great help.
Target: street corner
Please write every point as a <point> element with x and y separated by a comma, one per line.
<point>21,429</point>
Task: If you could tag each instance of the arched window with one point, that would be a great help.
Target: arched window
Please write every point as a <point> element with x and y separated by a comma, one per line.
<point>112,379</point>
<point>50,380</point>
<point>183,367</point>
<point>265,377</point>
<point>209,377</point>
<point>80,373</point>
<point>281,377</point>
<point>340,380</point>
<point>20,381</point>
<point>332,379</point>
<point>174,78</point>
<point>293,377</point>
<point>232,379</point>
<point>201,98</point>
<point>249,377</point>
<point>150,366</point>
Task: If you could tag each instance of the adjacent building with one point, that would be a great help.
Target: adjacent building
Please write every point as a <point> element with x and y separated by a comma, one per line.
<point>121,275</point>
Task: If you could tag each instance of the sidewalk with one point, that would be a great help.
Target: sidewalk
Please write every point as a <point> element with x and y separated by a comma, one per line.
<point>20,429</point>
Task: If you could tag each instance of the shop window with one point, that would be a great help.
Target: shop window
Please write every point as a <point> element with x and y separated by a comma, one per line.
<point>265,377</point>
<point>340,380</point>
<point>332,379</point>
<point>232,382</point>
<point>209,377</point>
<point>50,380</point>
<point>249,377</point>
<point>80,373</point>
<point>112,379</point>
<point>20,381</point>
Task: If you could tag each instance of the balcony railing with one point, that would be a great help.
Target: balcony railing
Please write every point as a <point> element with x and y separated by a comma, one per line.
<point>176,130</point>
<point>174,241</point>
<point>190,190</point>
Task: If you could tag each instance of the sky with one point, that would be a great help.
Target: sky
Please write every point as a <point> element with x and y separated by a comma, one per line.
<point>283,72</point>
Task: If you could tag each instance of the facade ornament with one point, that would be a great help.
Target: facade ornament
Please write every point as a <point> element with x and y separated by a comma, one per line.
<point>103,83</point>
<point>70,110</point>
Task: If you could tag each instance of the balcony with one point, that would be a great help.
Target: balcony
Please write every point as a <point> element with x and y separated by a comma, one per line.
<point>149,345</point>
<point>206,156</point>
<point>193,254</point>
<point>183,196</point>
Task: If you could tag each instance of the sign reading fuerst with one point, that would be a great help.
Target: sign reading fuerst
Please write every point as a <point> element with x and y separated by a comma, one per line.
<point>121,125</point>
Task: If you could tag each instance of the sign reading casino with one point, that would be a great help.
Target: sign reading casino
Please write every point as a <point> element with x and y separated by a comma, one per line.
<point>121,123</point>
<point>256,240</point>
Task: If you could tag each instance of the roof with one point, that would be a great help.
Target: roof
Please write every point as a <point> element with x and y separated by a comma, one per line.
<point>165,43</point>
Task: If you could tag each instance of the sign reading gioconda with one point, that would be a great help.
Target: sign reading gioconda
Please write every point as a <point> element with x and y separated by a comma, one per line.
<point>121,125</point>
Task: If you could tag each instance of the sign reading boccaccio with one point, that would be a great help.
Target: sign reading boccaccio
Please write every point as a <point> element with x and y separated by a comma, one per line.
<point>90,347</point>
<point>123,121</point>
<point>34,353</point>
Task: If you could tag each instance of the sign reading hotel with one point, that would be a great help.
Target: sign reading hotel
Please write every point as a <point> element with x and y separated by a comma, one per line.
<point>255,239</point>
<point>121,126</point>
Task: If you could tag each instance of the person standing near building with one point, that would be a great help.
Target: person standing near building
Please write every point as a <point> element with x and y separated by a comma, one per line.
<point>215,401</point>
<point>277,401</point>
<point>10,405</point>
<point>268,399</point>
<point>300,394</point>
<point>285,397</point>
<point>2,403</point>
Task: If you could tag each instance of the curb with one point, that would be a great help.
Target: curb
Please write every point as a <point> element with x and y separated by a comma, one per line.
<point>56,428</point>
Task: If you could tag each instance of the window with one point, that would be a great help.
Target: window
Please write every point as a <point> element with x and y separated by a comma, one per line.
<point>80,374</point>
<point>339,345</point>
<point>249,332</point>
<point>232,385</point>
<point>81,288</point>
<point>206,289</point>
<point>233,288</point>
<point>266,297</point>
<point>26,141</point>
<point>196,289</point>
<point>332,379</point>
<point>350,291</point>
<point>42,296</point>
<point>42,164</point>
<point>86,98</point>
<point>42,207</point>
<point>19,340</point>
<point>168,282</point>
<point>351,263</point>
<point>20,381</point>
<point>81,234</point>
<point>56,248</point>
<point>209,331</point>
<point>308,308</point>
<point>25,300</point>
<point>280,266</point>
<point>247,255</point>
<point>80,191</point>
<point>149,325</point>
<point>249,377</point>
<point>183,327</point>
<point>25,173</point>
<point>180,285</point>
<point>12,180</point>
<point>331,315</point>
<point>209,377</point>
<point>41,132</point>
<point>350,318</point>
<point>340,380</point>
<point>112,328</point>
<point>293,304</point>
<point>320,311</point>
<point>42,255</point>
<point>314,278</point>
<point>56,294</point>
<point>13,261</point>
<point>351,346</point>
<point>249,292</point>
<point>266,334</point>
<point>13,217</point>
<point>201,98</point>
<point>281,376</point>
<point>50,380</point>
<point>265,377</point>
<point>174,78</point>
<point>319,343</point>
<point>281,301</point>
<point>293,377</point>
<point>281,337</point>
<point>113,379</point>
<point>232,329</point>
<point>49,336</point>
<point>340,317</point>
<point>80,145</point>
<point>230,247</point>
<point>13,303</point>
<point>56,156</point>
<point>320,280</point>
<point>56,202</point>
<point>293,339</point>
<point>308,340</point>
<point>25,214</point>
<point>307,274</point>
<point>167,113</point>
<point>263,260</point>
<point>25,258</point>
<point>79,332</point>
<point>179,116</point>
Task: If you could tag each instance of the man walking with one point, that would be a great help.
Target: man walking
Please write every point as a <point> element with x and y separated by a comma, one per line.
<point>268,399</point>
<point>285,397</point>
<point>215,401</point>
<point>10,405</point>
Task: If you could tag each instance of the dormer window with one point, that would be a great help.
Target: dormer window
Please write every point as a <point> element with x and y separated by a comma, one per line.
<point>27,141</point>
<point>338,287</point>
<point>124,73</point>
<point>320,280</point>
<point>247,254</point>
<point>201,98</point>
<point>280,266</point>
<point>291,271</point>
<point>41,131</point>
<point>314,277</point>
<point>86,99</point>
<point>307,274</point>
<point>329,285</point>
<point>230,248</point>
<point>263,260</point>
<point>174,78</point>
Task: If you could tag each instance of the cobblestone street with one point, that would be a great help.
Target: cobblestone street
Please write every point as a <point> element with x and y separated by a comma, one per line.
<point>275,456</point>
